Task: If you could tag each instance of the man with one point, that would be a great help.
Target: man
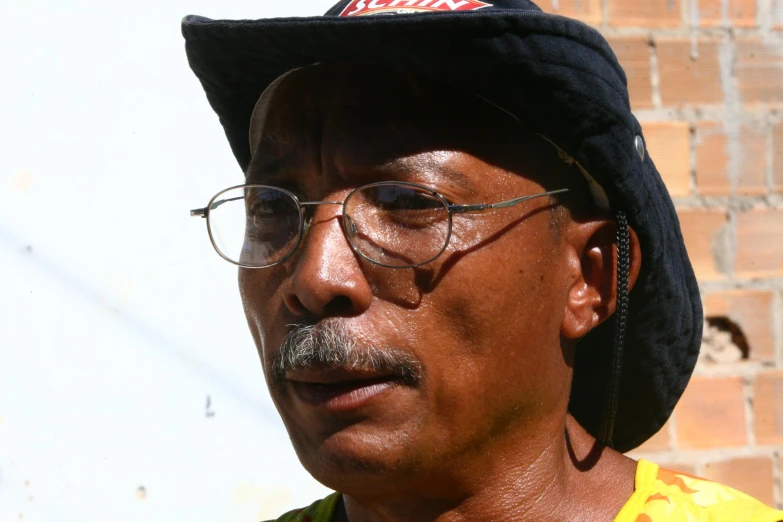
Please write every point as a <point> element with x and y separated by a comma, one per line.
<point>463,274</point>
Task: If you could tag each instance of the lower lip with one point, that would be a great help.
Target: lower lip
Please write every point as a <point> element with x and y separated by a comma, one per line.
<point>342,396</point>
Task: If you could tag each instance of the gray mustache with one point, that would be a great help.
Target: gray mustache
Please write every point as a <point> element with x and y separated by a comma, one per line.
<point>330,345</point>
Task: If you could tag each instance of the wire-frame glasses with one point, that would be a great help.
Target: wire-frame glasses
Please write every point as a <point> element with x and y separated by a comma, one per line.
<point>391,223</point>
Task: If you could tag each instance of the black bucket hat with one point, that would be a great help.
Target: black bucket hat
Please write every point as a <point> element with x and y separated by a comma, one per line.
<point>561,79</point>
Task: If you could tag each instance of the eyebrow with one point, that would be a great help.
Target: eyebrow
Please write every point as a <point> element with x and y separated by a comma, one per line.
<point>274,170</point>
<point>427,165</point>
<point>271,169</point>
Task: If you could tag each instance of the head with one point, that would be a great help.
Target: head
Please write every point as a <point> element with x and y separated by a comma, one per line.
<point>386,377</point>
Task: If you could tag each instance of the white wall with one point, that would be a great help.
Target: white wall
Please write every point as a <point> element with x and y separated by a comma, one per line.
<point>117,320</point>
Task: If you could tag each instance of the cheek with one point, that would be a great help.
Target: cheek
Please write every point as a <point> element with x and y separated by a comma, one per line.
<point>502,309</point>
<point>401,288</point>
<point>502,285</point>
<point>261,300</point>
<point>499,312</point>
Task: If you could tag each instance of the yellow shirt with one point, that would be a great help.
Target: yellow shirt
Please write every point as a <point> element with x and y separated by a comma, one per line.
<point>662,495</point>
<point>659,495</point>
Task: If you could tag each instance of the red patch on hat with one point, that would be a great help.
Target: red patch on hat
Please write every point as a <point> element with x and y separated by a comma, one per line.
<point>370,7</point>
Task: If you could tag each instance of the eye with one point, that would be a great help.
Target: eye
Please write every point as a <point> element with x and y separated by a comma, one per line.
<point>270,212</point>
<point>393,198</point>
<point>271,209</point>
<point>399,206</point>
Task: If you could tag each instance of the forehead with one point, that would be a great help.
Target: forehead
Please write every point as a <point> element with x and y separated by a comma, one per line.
<point>323,87</point>
<point>382,109</point>
<point>365,119</point>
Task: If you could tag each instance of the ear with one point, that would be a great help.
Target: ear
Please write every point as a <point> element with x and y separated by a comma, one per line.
<point>592,265</point>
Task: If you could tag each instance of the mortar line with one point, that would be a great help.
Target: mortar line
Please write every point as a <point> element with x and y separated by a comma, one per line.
<point>744,369</point>
<point>674,441</point>
<point>776,493</point>
<point>777,326</point>
<point>753,116</point>
<point>764,17</point>
<point>687,11</point>
<point>655,73</point>
<point>769,153</point>
<point>739,203</point>
<point>709,32</point>
<point>692,150</point>
<point>702,455</point>
<point>734,153</point>
<point>750,414</point>
<point>694,29</point>
<point>774,284</point>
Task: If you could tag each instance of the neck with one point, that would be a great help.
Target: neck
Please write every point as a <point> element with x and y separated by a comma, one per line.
<point>561,474</point>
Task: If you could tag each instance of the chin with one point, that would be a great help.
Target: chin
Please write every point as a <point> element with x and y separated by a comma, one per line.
<point>353,461</point>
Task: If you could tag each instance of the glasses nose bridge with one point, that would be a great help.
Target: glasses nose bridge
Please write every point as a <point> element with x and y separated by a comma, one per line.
<point>316,203</point>
<point>307,217</point>
<point>304,205</point>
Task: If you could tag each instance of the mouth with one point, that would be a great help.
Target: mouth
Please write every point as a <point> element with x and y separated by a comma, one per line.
<point>339,389</point>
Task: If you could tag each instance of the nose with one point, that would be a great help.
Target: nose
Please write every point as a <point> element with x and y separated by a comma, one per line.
<point>327,279</point>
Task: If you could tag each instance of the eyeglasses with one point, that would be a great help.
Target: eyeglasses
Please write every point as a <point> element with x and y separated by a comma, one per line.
<point>391,224</point>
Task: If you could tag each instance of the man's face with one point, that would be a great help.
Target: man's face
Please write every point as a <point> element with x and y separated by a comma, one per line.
<point>480,324</point>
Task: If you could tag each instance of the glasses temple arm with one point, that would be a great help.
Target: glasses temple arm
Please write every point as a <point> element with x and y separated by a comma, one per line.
<point>202,212</point>
<point>502,204</point>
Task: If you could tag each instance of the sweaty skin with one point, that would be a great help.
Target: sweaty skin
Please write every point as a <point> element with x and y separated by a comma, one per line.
<point>484,433</point>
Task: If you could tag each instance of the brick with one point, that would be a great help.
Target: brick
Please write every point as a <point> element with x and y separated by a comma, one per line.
<point>658,442</point>
<point>753,476</point>
<point>768,407</point>
<point>721,154</point>
<point>751,310</point>
<point>633,53</point>
<point>741,13</point>
<point>759,246</point>
<point>704,231</point>
<point>669,144</point>
<point>777,157</point>
<point>711,413</point>
<point>589,11</point>
<point>759,70</point>
<point>650,13</point>
<point>689,74</point>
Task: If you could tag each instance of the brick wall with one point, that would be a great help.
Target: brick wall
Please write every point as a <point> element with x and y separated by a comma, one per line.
<point>706,81</point>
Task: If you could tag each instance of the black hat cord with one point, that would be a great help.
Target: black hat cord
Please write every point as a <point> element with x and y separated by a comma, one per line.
<point>621,319</point>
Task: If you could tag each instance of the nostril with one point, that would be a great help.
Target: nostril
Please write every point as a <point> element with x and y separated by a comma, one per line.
<point>295,304</point>
<point>340,304</point>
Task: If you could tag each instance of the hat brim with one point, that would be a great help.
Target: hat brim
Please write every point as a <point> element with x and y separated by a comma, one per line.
<point>560,77</point>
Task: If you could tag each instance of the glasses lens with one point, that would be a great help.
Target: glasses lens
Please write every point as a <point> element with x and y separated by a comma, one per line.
<point>254,226</point>
<point>397,225</point>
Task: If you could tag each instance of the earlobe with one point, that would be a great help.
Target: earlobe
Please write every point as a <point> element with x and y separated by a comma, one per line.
<point>592,293</point>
